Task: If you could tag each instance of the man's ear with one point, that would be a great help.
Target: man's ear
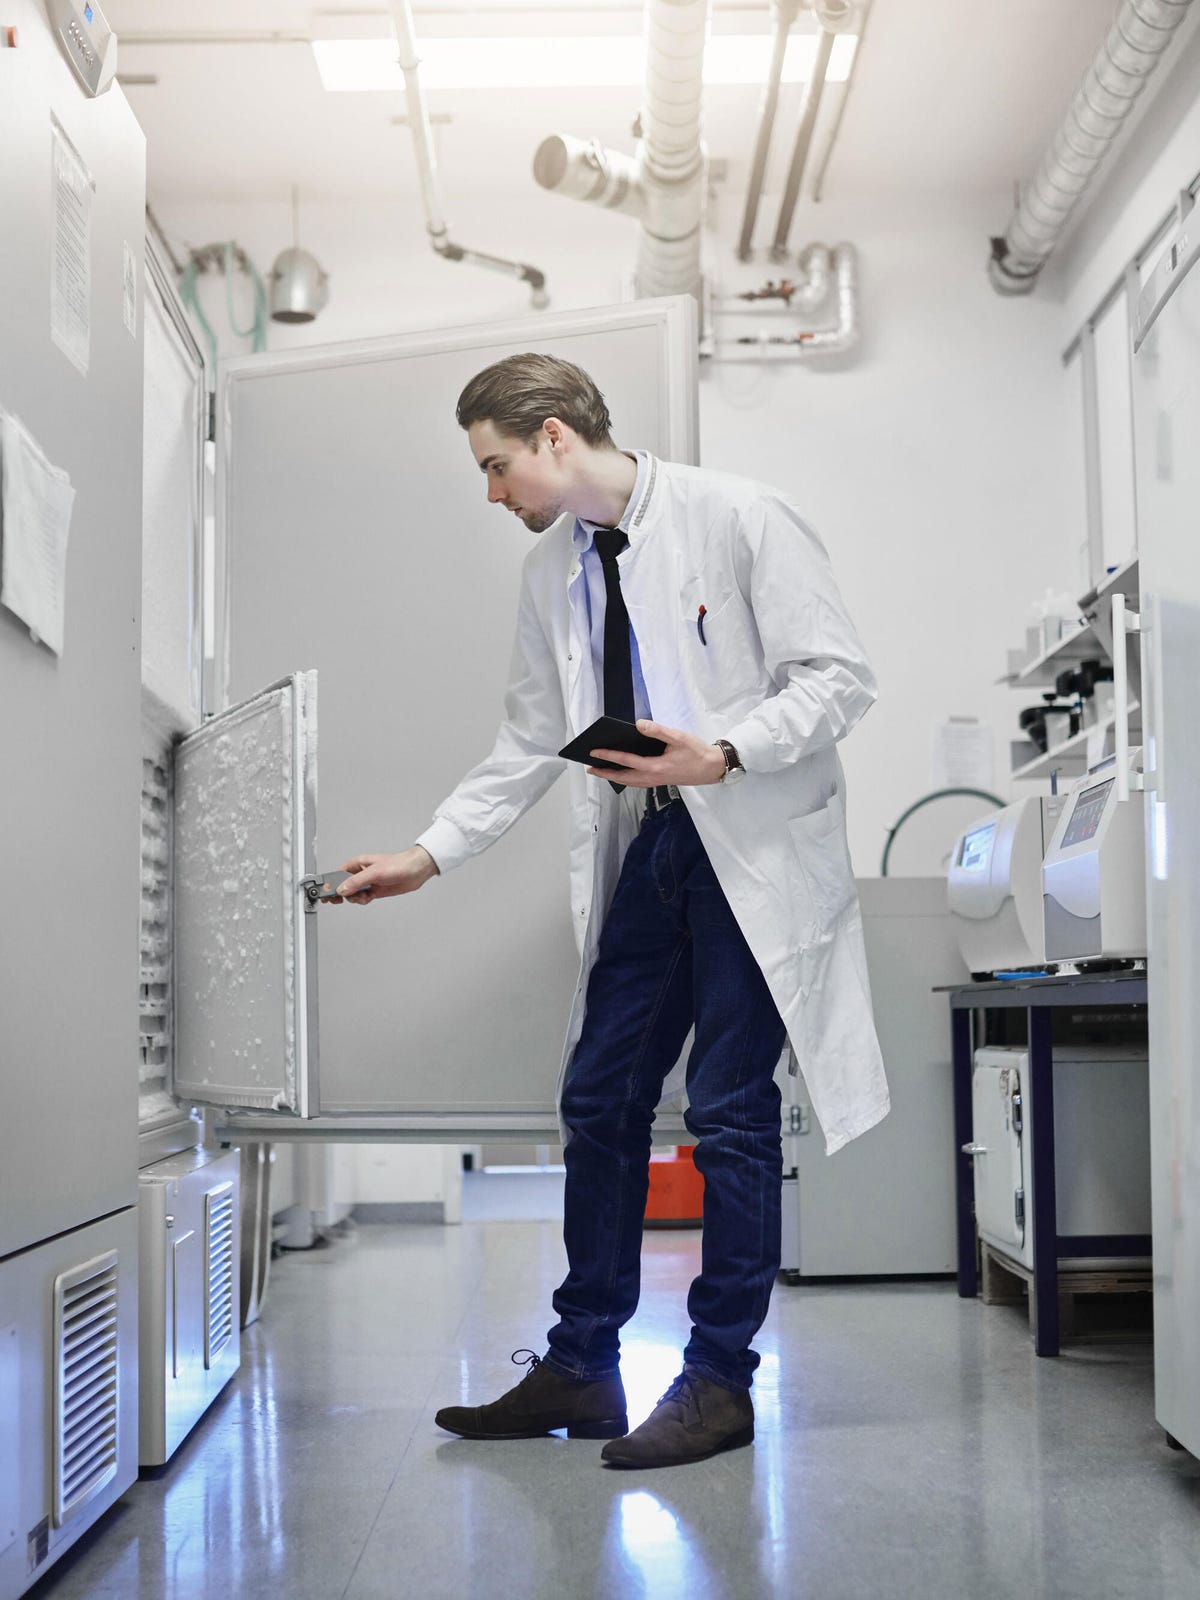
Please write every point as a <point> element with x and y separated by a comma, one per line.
<point>554,433</point>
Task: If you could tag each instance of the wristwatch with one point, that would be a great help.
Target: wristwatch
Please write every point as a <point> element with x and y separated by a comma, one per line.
<point>734,770</point>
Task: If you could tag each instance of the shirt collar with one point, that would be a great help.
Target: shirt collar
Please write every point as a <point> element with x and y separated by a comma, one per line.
<point>583,532</point>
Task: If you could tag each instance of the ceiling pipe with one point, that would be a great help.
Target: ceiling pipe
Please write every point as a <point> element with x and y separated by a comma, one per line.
<point>1130,53</point>
<point>807,293</point>
<point>804,135</point>
<point>422,134</point>
<point>822,341</point>
<point>664,182</point>
<point>785,12</point>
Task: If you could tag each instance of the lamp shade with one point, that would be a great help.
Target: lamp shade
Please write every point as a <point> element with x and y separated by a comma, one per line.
<point>299,287</point>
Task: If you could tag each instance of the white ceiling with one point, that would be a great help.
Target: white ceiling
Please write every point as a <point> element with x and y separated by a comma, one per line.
<point>951,97</point>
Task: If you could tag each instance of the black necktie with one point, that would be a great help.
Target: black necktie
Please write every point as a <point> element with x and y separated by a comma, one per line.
<point>618,661</point>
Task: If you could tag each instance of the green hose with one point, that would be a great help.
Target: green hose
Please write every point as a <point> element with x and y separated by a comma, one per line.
<point>938,794</point>
<point>233,259</point>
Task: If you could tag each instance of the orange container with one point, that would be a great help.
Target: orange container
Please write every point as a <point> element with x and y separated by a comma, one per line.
<point>676,1198</point>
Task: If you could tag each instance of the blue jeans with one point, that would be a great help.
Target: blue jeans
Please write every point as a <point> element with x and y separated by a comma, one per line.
<point>670,955</point>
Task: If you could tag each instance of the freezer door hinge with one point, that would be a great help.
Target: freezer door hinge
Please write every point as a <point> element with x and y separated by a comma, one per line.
<point>798,1120</point>
<point>1019,1209</point>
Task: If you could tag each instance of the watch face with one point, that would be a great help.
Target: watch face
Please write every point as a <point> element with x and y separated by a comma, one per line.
<point>734,774</point>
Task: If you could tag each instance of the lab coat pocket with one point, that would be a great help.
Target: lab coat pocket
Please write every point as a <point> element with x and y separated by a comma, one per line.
<point>820,842</point>
<point>711,649</point>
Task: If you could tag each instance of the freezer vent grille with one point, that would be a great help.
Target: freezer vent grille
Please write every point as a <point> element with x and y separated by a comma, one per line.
<point>85,1382</point>
<point>218,1282</point>
<point>155,975</point>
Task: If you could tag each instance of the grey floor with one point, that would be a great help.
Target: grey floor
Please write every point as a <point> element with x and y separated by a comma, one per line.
<point>909,1444</point>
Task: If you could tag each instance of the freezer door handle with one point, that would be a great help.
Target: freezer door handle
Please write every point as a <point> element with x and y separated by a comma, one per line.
<point>974,1149</point>
<point>1124,622</point>
<point>1152,676</point>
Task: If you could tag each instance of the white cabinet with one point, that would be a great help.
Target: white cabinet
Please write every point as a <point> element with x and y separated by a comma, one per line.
<point>189,1342</point>
<point>884,1206</point>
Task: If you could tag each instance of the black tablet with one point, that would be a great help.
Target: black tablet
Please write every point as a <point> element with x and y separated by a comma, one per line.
<point>610,733</point>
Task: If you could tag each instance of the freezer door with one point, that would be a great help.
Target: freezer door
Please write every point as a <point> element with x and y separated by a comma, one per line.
<point>354,533</point>
<point>1166,383</point>
<point>245,934</point>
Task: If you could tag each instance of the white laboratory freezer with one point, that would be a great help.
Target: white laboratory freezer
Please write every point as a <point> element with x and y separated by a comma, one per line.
<point>884,1206</point>
<point>1166,414</point>
<point>1101,1148</point>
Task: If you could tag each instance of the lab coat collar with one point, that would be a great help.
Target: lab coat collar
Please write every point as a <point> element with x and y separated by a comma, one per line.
<point>582,533</point>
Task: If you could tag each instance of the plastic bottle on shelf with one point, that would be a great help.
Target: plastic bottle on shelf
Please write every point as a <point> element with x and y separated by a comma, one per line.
<point>1050,619</point>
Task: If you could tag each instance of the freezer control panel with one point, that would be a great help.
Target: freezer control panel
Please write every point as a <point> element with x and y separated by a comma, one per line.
<point>87,41</point>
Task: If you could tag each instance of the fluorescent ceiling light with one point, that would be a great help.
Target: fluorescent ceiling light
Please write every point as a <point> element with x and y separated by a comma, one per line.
<point>561,62</point>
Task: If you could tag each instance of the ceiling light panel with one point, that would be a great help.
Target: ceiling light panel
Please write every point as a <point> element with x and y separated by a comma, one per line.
<point>558,62</point>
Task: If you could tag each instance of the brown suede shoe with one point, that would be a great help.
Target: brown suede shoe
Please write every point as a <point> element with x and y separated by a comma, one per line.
<point>696,1418</point>
<point>544,1400</point>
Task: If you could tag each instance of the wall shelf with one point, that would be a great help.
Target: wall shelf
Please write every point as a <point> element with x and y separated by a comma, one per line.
<point>1070,758</point>
<point>1124,580</point>
<point>1079,645</point>
<point>1092,640</point>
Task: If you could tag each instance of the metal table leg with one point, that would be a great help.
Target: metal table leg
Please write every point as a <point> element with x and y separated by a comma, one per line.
<point>1045,1199</point>
<point>964,1166</point>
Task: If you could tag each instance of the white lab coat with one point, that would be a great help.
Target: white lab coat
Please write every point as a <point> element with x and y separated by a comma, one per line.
<point>783,676</point>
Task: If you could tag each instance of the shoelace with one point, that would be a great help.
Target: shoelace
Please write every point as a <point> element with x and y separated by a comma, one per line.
<point>680,1389</point>
<point>532,1364</point>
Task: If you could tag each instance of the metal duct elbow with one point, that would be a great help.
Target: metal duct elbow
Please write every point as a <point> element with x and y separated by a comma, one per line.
<point>584,169</point>
<point>1130,53</point>
<point>816,263</point>
<point>833,341</point>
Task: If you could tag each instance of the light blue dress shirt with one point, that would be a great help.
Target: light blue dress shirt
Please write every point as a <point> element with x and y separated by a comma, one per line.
<point>583,538</point>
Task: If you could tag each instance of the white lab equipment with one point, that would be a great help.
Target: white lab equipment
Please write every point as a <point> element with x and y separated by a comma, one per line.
<point>1101,1148</point>
<point>1094,873</point>
<point>994,886</point>
<point>885,1205</point>
<point>189,1322</point>
<point>1166,399</point>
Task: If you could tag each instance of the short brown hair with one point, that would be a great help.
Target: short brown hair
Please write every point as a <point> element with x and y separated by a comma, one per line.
<point>520,392</point>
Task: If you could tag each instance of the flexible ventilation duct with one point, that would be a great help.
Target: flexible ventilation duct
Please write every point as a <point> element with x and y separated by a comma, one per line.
<point>1135,43</point>
<point>663,184</point>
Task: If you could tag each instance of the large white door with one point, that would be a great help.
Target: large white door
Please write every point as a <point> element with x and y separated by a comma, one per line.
<point>1167,432</point>
<point>355,538</point>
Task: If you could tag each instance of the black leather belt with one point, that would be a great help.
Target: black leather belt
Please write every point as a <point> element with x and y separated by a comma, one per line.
<point>659,799</point>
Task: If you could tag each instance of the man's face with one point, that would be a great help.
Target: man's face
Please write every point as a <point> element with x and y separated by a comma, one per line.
<point>527,478</point>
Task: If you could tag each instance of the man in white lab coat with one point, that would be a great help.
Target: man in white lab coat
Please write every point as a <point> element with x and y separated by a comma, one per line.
<point>713,889</point>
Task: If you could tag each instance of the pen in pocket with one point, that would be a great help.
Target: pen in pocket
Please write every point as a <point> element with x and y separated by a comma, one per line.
<point>700,616</point>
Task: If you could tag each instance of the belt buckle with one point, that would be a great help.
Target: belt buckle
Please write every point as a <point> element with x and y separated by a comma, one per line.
<point>660,797</point>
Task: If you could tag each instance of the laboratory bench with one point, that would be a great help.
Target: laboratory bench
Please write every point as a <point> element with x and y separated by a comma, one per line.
<point>1052,1009</point>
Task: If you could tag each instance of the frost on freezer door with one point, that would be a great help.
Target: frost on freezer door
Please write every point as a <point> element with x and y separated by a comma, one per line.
<point>235,905</point>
